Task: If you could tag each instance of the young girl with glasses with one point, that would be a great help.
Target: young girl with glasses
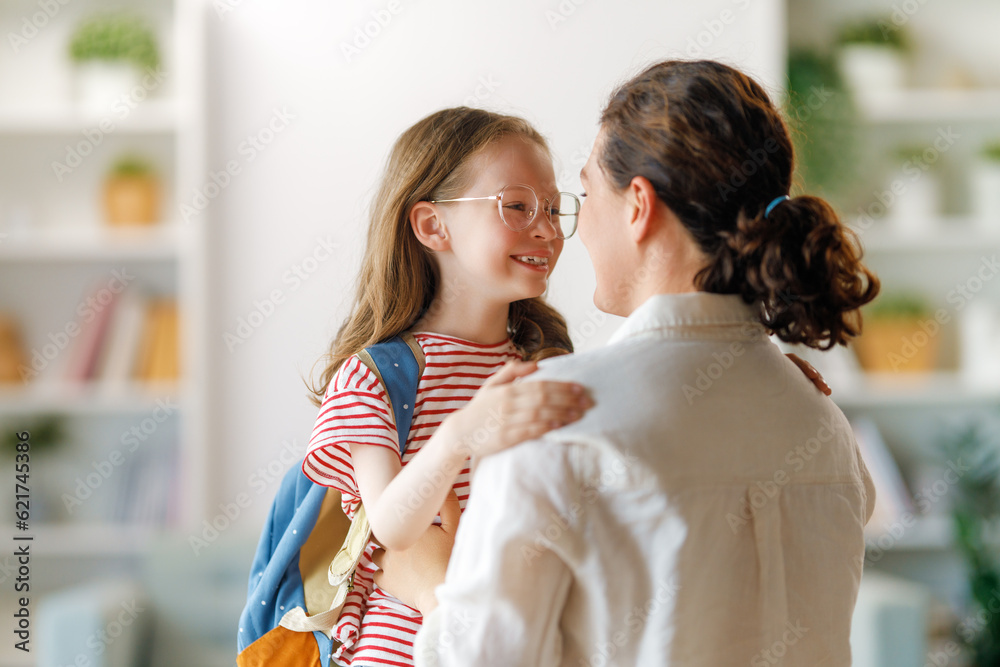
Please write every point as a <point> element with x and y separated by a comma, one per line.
<point>466,228</point>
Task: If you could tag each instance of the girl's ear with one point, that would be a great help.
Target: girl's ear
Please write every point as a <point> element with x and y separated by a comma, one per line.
<point>428,227</point>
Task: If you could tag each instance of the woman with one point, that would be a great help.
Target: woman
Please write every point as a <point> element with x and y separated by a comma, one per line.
<point>709,510</point>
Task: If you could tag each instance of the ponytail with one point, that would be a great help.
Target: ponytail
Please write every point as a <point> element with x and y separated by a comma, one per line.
<point>801,265</point>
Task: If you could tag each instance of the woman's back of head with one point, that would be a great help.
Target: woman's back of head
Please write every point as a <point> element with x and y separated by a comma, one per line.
<point>717,152</point>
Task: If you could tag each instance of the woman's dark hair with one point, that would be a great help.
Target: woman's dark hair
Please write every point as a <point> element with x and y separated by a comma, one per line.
<point>717,153</point>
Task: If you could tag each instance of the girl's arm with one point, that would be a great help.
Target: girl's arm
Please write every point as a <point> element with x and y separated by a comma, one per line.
<point>401,502</point>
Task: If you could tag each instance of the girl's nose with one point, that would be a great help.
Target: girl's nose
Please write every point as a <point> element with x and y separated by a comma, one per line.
<point>542,227</point>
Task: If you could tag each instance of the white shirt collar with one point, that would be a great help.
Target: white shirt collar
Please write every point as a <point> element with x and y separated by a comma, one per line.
<point>689,309</point>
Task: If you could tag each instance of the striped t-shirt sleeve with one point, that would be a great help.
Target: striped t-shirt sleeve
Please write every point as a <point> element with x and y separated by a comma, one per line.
<point>355,410</point>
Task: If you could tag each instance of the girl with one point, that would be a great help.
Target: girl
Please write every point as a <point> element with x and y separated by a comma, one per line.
<point>465,230</point>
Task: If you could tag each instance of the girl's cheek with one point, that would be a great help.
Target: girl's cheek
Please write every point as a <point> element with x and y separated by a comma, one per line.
<point>557,251</point>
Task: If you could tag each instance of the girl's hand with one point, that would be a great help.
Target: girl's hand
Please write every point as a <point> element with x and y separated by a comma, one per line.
<point>811,373</point>
<point>504,413</point>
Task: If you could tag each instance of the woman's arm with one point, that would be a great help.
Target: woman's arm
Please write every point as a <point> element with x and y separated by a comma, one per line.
<point>402,501</point>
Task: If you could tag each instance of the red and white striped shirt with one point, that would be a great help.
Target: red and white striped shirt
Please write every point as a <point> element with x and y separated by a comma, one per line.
<point>375,627</point>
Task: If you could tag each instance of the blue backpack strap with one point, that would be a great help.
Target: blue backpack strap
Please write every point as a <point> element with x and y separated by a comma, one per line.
<point>399,362</point>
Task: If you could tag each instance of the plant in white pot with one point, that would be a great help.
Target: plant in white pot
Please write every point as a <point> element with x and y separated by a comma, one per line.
<point>984,182</point>
<point>112,52</point>
<point>873,57</point>
<point>914,187</point>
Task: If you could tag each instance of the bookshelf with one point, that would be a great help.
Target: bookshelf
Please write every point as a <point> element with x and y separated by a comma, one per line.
<point>930,105</point>
<point>939,389</point>
<point>952,85</point>
<point>56,251</point>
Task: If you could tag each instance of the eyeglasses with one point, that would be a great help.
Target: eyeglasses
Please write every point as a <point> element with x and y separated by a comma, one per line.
<point>518,206</point>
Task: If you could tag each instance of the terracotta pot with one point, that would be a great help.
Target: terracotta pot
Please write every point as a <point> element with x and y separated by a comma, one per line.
<point>132,200</point>
<point>11,351</point>
<point>893,345</point>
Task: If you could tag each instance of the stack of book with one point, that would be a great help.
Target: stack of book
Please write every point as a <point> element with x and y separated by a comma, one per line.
<point>147,490</point>
<point>130,337</point>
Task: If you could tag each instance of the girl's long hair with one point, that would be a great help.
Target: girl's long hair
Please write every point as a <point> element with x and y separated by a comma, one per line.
<point>717,153</point>
<point>399,277</point>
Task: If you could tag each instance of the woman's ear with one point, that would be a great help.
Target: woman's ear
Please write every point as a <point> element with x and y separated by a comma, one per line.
<point>428,227</point>
<point>642,200</point>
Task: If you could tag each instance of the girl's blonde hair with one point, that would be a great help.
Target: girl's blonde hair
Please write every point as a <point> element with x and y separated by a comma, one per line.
<point>399,277</point>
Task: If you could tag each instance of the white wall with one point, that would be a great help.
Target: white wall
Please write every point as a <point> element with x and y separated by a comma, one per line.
<point>554,63</point>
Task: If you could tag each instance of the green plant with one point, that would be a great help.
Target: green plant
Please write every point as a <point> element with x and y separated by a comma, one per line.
<point>909,153</point>
<point>47,433</point>
<point>131,165</point>
<point>115,36</point>
<point>899,306</point>
<point>976,507</point>
<point>823,124</point>
<point>875,32</point>
<point>991,151</point>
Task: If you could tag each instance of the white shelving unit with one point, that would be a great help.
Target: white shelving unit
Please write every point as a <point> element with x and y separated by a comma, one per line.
<point>916,390</point>
<point>932,106</point>
<point>916,412</point>
<point>52,262</point>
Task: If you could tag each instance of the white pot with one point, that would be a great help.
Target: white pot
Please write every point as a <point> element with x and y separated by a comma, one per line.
<point>984,186</point>
<point>916,204</point>
<point>100,82</point>
<point>979,331</point>
<point>872,71</point>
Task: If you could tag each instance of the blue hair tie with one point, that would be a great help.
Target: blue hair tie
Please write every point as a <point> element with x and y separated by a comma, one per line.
<point>775,202</point>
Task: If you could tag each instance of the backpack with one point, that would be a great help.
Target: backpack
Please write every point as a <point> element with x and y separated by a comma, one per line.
<point>297,585</point>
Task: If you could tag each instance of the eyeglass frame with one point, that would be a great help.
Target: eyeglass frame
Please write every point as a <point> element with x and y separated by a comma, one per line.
<point>543,200</point>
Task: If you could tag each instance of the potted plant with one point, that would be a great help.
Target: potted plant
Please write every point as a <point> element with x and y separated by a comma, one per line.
<point>823,119</point>
<point>111,53</point>
<point>985,184</point>
<point>898,335</point>
<point>12,358</point>
<point>132,192</point>
<point>975,515</point>
<point>47,435</point>
<point>979,344</point>
<point>916,190</point>
<point>872,56</point>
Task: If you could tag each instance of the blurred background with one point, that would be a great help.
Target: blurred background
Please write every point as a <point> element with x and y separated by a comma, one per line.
<point>183,189</point>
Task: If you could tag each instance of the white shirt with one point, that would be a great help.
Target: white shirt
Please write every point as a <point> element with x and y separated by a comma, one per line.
<point>707,512</point>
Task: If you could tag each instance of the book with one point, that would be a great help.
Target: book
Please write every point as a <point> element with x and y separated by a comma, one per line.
<point>118,358</point>
<point>162,362</point>
<point>892,497</point>
<point>85,349</point>
<point>158,355</point>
